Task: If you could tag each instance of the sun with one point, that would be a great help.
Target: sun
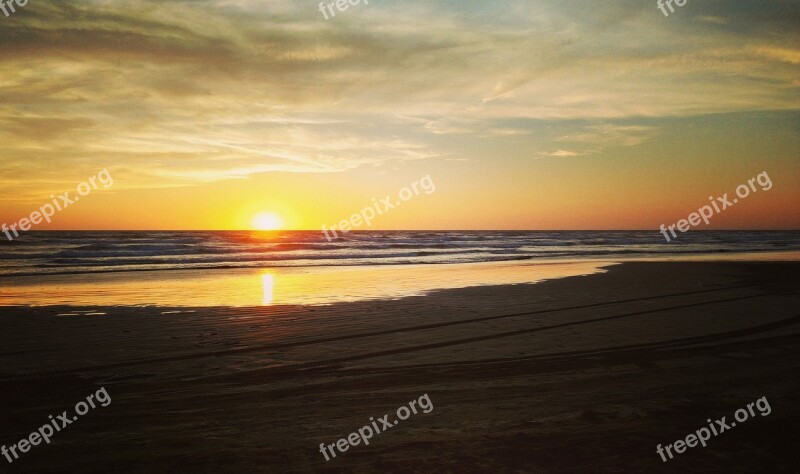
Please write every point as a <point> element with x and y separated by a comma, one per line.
<point>267,221</point>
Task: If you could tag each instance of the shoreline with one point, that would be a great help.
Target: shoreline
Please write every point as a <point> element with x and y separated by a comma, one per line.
<point>321,285</point>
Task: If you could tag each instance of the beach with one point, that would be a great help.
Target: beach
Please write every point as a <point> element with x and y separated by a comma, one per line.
<point>410,237</point>
<point>586,373</point>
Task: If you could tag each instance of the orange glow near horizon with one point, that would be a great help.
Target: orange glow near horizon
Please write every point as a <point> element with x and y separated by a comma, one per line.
<point>553,195</point>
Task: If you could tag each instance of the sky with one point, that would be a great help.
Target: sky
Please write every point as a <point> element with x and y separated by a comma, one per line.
<point>537,114</point>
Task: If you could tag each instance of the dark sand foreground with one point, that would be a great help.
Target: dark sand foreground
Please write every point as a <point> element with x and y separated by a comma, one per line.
<point>584,374</point>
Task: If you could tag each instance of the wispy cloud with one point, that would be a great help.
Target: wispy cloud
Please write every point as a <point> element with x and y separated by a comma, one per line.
<point>609,135</point>
<point>563,153</point>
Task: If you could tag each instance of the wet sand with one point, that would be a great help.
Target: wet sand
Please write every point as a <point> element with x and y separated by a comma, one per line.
<point>582,374</point>
<point>247,287</point>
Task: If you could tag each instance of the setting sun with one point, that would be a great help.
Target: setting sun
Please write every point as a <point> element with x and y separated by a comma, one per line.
<point>267,221</point>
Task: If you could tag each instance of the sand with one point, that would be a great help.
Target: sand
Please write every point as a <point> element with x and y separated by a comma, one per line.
<point>582,374</point>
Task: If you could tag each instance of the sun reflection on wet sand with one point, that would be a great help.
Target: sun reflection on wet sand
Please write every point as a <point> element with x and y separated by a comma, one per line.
<point>269,283</point>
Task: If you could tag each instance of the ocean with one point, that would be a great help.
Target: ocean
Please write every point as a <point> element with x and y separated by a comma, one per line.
<point>73,252</point>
